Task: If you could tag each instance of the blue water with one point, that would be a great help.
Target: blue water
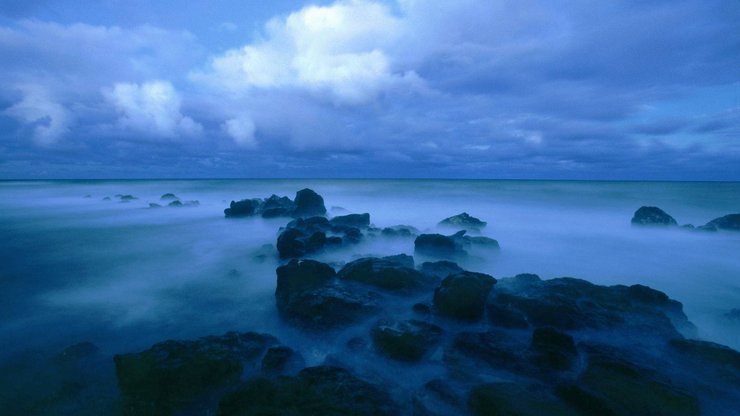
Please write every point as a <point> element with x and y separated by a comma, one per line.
<point>77,268</point>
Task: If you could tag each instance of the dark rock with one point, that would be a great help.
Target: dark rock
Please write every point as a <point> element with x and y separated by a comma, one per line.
<point>630,390</point>
<point>127,198</point>
<point>281,359</point>
<point>329,306</point>
<point>304,236</point>
<point>437,245</point>
<point>352,220</point>
<point>652,216</point>
<point>277,206</point>
<point>464,221</point>
<point>107,198</point>
<point>175,204</point>
<point>582,401</point>
<point>516,399</point>
<point>168,197</point>
<point>172,374</point>
<point>506,317</point>
<point>389,273</point>
<point>294,242</point>
<point>709,352</point>
<point>324,390</point>
<point>707,228</point>
<point>554,350</point>
<point>570,304</point>
<point>440,269</point>
<point>497,349</point>
<point>407,340</point>
<point>297,277</point>
<point>728,222</point>
<point>77,352</point>
<point>400,231</point>
<point>243,208</point>
<point>308,204</point>
<point>463,295</point>
<point>153,205</point>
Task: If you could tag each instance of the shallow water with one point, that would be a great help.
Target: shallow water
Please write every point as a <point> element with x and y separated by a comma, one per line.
<point>123,276</point>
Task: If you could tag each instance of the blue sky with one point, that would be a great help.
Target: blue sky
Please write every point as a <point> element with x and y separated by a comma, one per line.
<point>578,89</point>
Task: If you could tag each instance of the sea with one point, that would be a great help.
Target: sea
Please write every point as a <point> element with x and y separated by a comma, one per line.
<point>79,263</point>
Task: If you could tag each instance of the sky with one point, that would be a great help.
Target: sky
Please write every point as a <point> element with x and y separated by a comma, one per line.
<point>581,89</point>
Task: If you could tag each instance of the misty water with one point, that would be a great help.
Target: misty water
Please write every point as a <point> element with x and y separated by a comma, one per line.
<point>75,267</point>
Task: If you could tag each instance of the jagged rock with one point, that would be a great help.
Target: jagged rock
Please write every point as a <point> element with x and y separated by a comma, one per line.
<point>568,304</point>
<point>277,206</point>
<point>308,204</point>
<point>554,350</point>
<point>463,295</point>
<point>168,197</point>
<point>352,220</point>
<point>652,216</point>
<point>389,273</point>
<point>243,208</point>
<point>516,399</point>
<point>400,231</point>
<point>172,374</point>
<point>464,221</point>
<point>295,242</point>
<point>728,222</point>
<point>407,340</point>
<point>323,390</point>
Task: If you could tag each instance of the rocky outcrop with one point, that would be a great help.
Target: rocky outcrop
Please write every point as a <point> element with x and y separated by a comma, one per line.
<point>307,203</point>
<point>302,237</point>
<point>652,216</point>
<point>729,222</point>
<point>463,221</point>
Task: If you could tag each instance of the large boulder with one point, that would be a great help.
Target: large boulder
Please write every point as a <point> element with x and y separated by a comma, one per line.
<point>728,222</point>
<point>389,273</point>
<point>323,390</point>
<point>407,340</point>
<point>308,204</point>
<point>464,221</point>
<point>463,295</point>
<point>652,216</point>
<point>171,374</point>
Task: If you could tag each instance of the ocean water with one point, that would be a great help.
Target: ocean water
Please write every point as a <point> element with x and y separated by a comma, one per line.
<point>75,267</point>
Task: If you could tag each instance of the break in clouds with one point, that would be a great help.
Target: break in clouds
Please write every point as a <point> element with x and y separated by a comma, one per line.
<point>467,88</point>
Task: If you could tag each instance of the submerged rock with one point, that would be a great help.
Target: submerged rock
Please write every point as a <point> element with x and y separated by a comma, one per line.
<point>168,197</point>
<point>352,220</point>
<point>243,208</point>
<point>399,231</point>
<point>464,221</point>
<point>728,222</point>
<point>452,246</point>
<point>652,216</point>
<point>463,295</point>
<point>323,390</point>
<point>172,374</point>
<point>389,273</point>
<point>154,205</point>
<point>308,204</point>
<point>126,198</point>
<point>407,340</point>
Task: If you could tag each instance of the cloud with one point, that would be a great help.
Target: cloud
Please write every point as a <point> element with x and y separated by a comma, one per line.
<point>338,50</point>
<point>242,130</point>
<point>151,108</point>
<point>48,119</point>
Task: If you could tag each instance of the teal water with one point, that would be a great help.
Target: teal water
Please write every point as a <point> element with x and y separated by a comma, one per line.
<point>75,268</point>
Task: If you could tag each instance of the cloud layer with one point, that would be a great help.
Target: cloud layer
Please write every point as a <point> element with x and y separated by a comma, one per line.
<point>468,88</point>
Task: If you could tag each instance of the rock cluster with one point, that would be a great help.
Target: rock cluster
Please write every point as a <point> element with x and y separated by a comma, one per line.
<point>307,203</point>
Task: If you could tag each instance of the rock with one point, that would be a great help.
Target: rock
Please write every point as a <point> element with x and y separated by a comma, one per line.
<point>127,198</point>
<point>352,220</point>
<point>175,204</point>
<point>652,216</point>
<point>153,205</point>
<point>464,221</point>
<point>298,277</point>
<point>294,242</point>
<point>77,352</point>
<point>323,390</point>
<point>554,350</point>
<point>306,296</point>
<point>389,273</point>
<point>308,204</point>
<point>728,222</point>
<point>422,308</point>
<point>629,390</point>
<point>572,304</point>
<point>281,359</point>
<point>463,295</point>
<point>505,317</point>
<point>168,197</point>
<point>516,399</point>
<point>709,352</point>
<point>437,245</point>
<point>440,269</point>
<point>276,206</point>
<point>407,340</point>
<point>172,374</point>
<point>304,236</point>
<point>243,208</point>
<point>399,231</point>
<point>496,349</point>
<point>107,198</point>
<point>733,315</point>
